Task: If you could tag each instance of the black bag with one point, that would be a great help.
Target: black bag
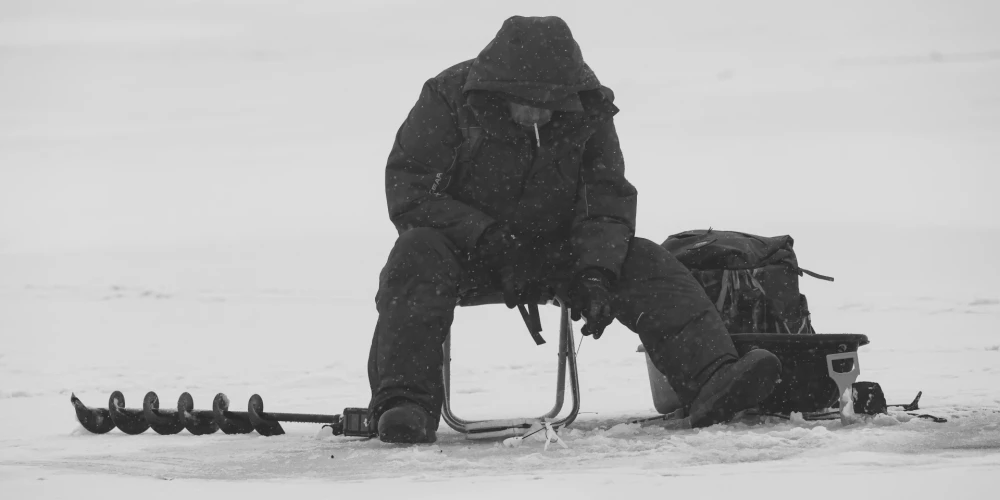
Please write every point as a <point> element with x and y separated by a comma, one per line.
<point>753,280</point>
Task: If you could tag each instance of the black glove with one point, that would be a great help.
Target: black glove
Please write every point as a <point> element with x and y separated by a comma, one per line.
<point>590,298</point>
<point>502,251</point>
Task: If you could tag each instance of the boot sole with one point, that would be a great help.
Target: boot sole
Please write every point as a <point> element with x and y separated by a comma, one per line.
<point>401,431</point>
<point>753,385</point>
<point>402,434</point>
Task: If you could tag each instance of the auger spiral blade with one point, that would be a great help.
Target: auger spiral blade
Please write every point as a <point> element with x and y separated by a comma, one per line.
<point>262,425</point>
<point>266,423</point>
<point>197,422</point>
<point>164,422</point>
<point>231,422</point>
<point>96,420</point>
<point>128,420</point>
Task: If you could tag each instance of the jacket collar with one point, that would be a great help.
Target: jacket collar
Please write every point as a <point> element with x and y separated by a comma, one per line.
<point>565,130</point>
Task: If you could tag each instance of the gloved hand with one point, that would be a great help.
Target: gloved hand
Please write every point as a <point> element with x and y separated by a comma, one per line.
<point>590,298</point>
<point>500,250</point>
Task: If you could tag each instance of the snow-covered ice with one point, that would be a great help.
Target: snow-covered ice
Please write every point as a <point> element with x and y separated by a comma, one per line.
<point>191,200</point>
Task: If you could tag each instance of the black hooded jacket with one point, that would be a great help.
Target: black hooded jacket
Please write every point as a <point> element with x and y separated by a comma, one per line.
<point>460,164</point>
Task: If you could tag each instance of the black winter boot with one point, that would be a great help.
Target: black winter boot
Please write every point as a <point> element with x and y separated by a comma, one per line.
<point>406,423</point>
<point>736,386</point>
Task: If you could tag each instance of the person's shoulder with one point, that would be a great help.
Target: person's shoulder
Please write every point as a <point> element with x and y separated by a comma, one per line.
<point>460,71</point>
<point>451,80</point>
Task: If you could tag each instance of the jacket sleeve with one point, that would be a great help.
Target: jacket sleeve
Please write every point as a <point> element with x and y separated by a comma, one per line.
<point>606,205</point>
<point>419,169</point>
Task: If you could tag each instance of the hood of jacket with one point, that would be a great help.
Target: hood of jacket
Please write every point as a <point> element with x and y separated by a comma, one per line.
<point>533,59</point>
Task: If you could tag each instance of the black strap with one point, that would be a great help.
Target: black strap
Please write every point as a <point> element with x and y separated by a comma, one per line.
<point>532,321</point>
<point>937,420</point>
<point>815,275</point>
<point>834,415</point>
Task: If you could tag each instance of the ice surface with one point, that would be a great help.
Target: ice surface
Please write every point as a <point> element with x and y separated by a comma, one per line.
<point>191,200</point>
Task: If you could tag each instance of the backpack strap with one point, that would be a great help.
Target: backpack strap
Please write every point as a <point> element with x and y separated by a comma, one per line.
<point>814,275</point>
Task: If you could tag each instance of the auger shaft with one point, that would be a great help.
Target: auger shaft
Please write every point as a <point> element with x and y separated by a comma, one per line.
<point>305,418</point>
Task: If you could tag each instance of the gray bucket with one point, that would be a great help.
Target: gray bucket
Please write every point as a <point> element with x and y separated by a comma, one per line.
<point>665,400</point>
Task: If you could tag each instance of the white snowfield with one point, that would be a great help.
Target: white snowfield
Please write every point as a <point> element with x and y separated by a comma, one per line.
<point>191,200</point>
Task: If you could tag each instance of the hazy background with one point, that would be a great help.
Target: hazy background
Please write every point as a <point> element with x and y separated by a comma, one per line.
<point>191,199</point>
<point>238,147</point>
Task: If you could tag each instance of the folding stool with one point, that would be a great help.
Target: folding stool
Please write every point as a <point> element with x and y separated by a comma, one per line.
<point>503,428</point>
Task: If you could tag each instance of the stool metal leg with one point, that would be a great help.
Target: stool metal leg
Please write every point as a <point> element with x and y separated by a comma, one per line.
<point>569,353</point>
<point>454,422</point>
<point>567,359</point>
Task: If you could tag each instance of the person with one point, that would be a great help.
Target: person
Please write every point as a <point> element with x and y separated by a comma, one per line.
<point>507,178</point>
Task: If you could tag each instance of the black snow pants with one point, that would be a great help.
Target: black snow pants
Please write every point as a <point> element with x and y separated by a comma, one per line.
<point>655,297</point>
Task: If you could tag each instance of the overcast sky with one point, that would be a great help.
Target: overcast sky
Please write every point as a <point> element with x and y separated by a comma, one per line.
<point>160,124</point>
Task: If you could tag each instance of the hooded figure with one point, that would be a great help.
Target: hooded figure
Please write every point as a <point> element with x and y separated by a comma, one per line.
<point>507,183</point>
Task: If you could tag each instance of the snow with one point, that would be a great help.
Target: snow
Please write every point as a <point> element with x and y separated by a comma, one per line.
<point>190,200</point>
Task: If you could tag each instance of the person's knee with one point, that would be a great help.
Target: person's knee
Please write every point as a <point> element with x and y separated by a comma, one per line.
<point>647,260</point>
<point>422,252</point>
<point>426,244</point>
<point>648,250</point>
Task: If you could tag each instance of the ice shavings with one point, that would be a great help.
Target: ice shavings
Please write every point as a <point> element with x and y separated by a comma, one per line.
<point>513,442</point>
<point>623,429</point>
<point>883,420</point>
<point>416,453</point>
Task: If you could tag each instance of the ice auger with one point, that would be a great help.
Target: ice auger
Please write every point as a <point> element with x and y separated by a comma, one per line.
<point>353,422</point>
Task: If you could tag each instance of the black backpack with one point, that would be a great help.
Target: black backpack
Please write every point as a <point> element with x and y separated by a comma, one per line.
<point>753,280</point>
